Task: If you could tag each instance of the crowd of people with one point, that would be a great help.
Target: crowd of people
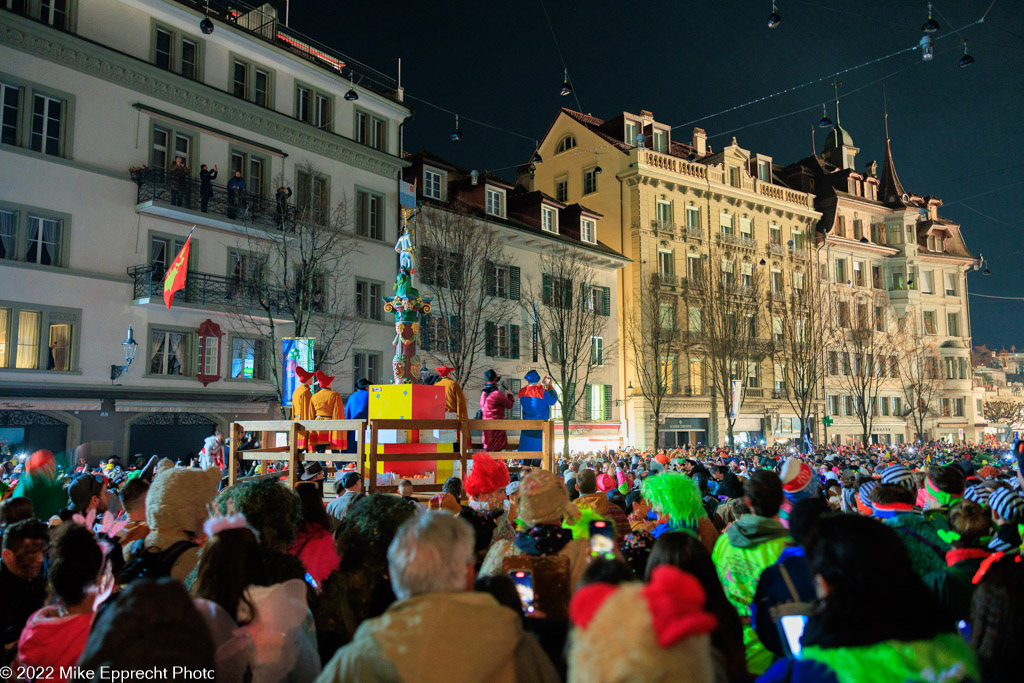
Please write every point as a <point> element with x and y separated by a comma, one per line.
<point>888,563</point>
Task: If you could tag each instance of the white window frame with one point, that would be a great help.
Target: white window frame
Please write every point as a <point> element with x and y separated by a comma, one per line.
<point>494,198</point>
<point>692,217</point>
<point>549,219</point>
<point>588,230</point>
<point>597,352</point>
<point>434,183</point>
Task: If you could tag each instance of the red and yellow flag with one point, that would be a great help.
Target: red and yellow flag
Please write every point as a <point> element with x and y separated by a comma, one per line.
<point>175,278</point>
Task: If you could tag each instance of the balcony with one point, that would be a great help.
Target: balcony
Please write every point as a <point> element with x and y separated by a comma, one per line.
<point>694,232</point>
<point>262,23</point>
<point>801,253</point>
<point>753,392</point>
<point>664,226</point>
<point>776,249</point>
<point>160,194</point>
<point>206,291</point>
<point>664,279</point>
<point>741,241</point>
<point>780,392</point>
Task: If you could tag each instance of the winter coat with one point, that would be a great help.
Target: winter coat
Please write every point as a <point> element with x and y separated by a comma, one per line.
<point>179,177</point>
<point>746,549</point>
<point>577,550</point>
<point>919,533</point>
<point>206,179</point>
<point>52,640</point>
<point>46,493</point>
<point>441,637</point>
<point>493,405</point>
<point>954,584</point>
<point>536,402</point>
<point>774,590</point>
<point>21,597</point>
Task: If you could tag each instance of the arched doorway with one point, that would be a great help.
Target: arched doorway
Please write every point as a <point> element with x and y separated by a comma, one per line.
<point>177,436</point>
<point>23,431</point>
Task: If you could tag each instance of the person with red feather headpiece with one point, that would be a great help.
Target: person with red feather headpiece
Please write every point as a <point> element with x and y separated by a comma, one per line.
<point>485,485</point>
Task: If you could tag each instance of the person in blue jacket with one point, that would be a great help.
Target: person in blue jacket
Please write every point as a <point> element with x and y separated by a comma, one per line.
<point>536,399</point>
<point>357,407</point>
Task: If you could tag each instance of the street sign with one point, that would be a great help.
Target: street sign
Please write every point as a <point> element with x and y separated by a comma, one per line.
<point>827,421</point>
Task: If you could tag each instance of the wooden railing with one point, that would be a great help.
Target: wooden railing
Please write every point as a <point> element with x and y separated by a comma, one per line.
<point>290,452</point>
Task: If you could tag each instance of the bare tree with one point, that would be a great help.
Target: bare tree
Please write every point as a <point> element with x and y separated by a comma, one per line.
<point>297,282</point>
<point>865,338</point>
<point>918,364</point>
<point>799,326</point>
<point>567,307</point>
<point>465,269</point>
<point>652,336</point>
<point>1010,412</point>
<point>725,319</point>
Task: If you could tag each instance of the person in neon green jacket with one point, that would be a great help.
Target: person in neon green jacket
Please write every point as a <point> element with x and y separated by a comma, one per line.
<point>875,619</point>
<point>746,549</point>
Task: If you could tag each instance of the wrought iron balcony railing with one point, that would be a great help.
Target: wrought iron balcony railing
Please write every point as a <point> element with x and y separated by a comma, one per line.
<point>206,290</point>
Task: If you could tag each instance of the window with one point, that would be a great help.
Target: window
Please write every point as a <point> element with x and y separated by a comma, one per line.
<point>747,274</point>
<point>590,180</point>
<point>753,379</point>
<point>728,274</point>
<point>777,332</point>
<point>945,408</point>
<point>316,108</point>
<point>248,358</point>
<point>746,228</point>
<point>858,273</point>
<point>588,230</point>
<point>897,406</point>
<point>958,407</point>
<point>502,341</point>
<point>696,376</point>
<point>371,130</point>
<point>322,113</point>
<point>599,402</point>
<point>174,51</point>
<point>862,317</point>
<point>949,366</point>
<point>167,144</point>
<point>630,133</point>
<point>366,364</point>
<point>495,202</point>
<point>254,171</point>
<point>951,288</point>
<point>164,50</point>
<point>726,223</point>
<point>562,189</point>
<point>44,241</point>
<point>312,200</point>
<point>833,405</point>
<point>660,141</point>
<point>304,104</point>
<point>694,320</point>
<point>565,144</point>
<point>841,271</point>
<point>844,314</point>
<point>444,269</point>
<point>927,281</point>
<point>763,172</point>
<point>879,319</point>
<point>694,268</point>
<point>557,292</point>
<point>10,104</point>
<point>666,263</point>
<point>368,299</point>
<point>670,373</point>
<point>169,352</point>
<point>432,184</point>
<point>47,125</point>
<point>798,280</point>
<point>953,324</point>
<point>858,228</point>
<point>929,322</point>
<point>963,372</point>
<point>664,209</point>
<point>667,315</point>
<point>549,219</point>
<point>833,363</point>
<point>692,218</point>
<point>776,280</point>
<point>734,176</point>
<point>262,88</point>
<point>501,281</point>
<point>597,351</point>
<point>370,215</point>
<point>977,406</point>
<point>844,364</point>
<point>41,337</point>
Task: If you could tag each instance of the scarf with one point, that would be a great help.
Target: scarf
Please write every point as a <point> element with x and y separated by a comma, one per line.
<point>543,539</point>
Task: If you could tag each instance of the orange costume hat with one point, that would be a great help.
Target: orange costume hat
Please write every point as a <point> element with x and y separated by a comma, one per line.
<point>323,379</point>
<point>444,371</point>
<point>301,373</point>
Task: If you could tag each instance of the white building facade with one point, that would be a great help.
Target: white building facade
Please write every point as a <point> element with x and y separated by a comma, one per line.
<point>113,85</point>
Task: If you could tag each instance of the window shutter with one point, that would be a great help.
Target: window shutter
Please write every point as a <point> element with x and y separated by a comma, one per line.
<point>517,410</point>
<point>428,266</point>
<point>606,301</point>
<point>489,278</point>
<point>607,402</point>
<point>513,276</point>
<point>572,396</point>
<point>566,294</point>
<point>588,397</point>
<point>547,290</point>
<point>425,333</point>
<point>360,206</point>
<point>490,339</point>
<point>454,271</point>
<point>453,334</point>
<point>513,341</point>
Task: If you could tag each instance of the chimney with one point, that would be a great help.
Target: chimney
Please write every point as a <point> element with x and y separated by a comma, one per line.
<point>700,141</point>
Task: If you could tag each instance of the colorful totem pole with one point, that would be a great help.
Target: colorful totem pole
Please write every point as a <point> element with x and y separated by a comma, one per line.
<point>407,305</point>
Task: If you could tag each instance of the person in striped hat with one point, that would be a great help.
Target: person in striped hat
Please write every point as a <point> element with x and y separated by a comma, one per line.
<point>864,498</point>
<point>1007,512</point>
<point>798,482</point>
<point>979,493</point>
<point>899,475</point>
<point>891,500</point>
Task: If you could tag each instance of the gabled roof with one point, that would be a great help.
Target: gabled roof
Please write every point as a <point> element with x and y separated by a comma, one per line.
<point>598,126</point>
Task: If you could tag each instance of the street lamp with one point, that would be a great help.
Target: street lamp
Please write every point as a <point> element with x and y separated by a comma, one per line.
<point>129,345</point>
<point>629,394</point>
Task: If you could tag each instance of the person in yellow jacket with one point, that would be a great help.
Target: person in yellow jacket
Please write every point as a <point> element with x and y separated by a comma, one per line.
<point>454,399</point>
<point>302,405</point>
<point>328,406</point>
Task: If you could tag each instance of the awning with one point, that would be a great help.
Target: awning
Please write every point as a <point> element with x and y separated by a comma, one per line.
<point>121,406</point>
<point>70,404</point>
<point>747,424</point>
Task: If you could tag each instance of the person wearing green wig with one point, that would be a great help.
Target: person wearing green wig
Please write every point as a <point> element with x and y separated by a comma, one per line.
<point>676,505</point>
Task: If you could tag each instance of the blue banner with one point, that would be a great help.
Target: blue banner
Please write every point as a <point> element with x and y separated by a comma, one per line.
<point>294,351</point>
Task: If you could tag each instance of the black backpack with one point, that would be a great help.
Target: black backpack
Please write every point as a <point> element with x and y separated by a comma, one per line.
<point>152,563</point>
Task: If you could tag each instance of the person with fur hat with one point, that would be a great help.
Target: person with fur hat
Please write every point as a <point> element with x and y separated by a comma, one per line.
<point>637,632</point>
<point>536,399</point>
<point>175,511</point>
<point>494,401</point>
<point>327,405</point>
<point>543,505</point>
<point>798,482</point>
<point>302,406</point>
<point>485,485</point>
<point>40,484</point>
<point>454,399</point>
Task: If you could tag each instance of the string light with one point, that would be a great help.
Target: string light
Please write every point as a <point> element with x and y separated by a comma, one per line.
<point>351,95</point>
<point>966,60</point>
<point>456,133</point>
<point>825,122</point>
<point>566,88</point>
<point>930,26</point>
<point>774,19</point>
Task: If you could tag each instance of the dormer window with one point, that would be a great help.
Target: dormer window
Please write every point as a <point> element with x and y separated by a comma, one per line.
<point>495,202</point>
<point>588,230</point>
<point>630,132</point>
<point>549,219</point>
<point>434,182</point>
<point>660,141</point>
<point>764,171</point>
<point>565,144</point>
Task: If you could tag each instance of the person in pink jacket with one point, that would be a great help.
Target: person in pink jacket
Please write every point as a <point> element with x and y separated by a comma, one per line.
<point>494,401</point>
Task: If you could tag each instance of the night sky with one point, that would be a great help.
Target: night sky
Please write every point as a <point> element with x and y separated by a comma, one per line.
<point>956,133</point>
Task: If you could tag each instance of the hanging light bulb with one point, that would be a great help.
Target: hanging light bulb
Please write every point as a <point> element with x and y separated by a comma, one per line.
<point>930,26</point>
<point>566,88</point>
<point>986,271</point>
<point>351,95</point>
<point>535,159</point>
<point>927,47</point>
<point>597,170</point>
<point>966,60</point>
<point>774,19</point>
<point>825,120</point>
<point>456,133</point>
<point>206,26</point>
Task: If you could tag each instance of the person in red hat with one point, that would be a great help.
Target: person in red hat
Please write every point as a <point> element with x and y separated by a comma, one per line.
<point>328,406</point>
<point>40,485</point>
<point>302,405</point>
<point>454,399</point>
<point>485,485</point>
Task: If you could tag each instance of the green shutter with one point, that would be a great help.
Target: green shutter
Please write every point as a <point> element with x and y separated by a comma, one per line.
<point>607,402</point>
<point>547,290</point>
<point>517,410</point>
<point>566,294</point>
<point>606,301</point>
<point>489,278</point>
<point>425,333</point>
<point>490,339</point>
<point>428,266</point>
<point>454,271</point>
<point>588,399</point>
<point>513,276</point>
<point>453,334</point>
<point>513,341</point>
